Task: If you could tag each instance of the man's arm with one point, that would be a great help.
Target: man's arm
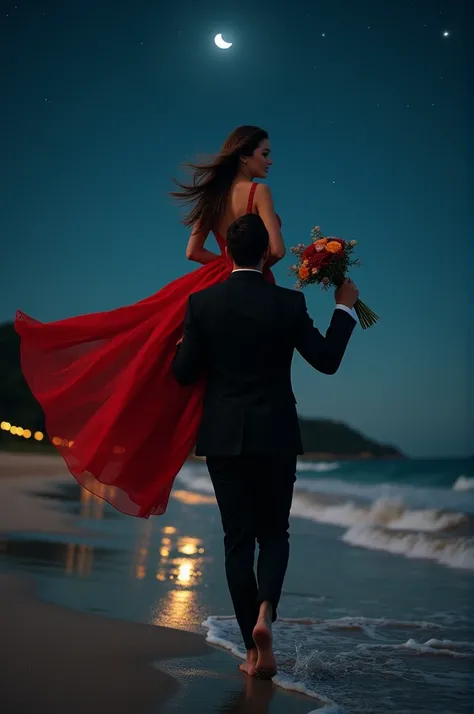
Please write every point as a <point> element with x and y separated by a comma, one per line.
<point>188,363</point>
<point>323,353</point>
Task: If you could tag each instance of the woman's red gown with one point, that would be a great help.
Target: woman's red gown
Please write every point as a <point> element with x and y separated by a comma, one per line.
<point>112,406</point>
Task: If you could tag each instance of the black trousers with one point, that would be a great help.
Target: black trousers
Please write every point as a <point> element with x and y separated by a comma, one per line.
<point>254,494</point>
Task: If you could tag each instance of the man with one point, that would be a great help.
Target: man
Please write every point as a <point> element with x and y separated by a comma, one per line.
<point>241,335</point>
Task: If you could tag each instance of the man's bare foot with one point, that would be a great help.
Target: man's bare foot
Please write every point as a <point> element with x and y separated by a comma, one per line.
<point>266,666</point>
<point>249,665</point>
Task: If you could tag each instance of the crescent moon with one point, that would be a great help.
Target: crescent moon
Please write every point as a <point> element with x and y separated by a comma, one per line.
<point>221,43</point>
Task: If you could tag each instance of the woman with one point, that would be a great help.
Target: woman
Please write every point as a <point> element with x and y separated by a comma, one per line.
<point>112,406</point>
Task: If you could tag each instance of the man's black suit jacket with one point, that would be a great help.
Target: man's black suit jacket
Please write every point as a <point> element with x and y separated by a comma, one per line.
<point>241,335</point>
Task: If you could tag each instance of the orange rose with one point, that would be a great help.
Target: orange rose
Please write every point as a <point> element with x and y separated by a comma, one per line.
<point>333,246</point>
<point>321,241</point>
<point>303,272</point>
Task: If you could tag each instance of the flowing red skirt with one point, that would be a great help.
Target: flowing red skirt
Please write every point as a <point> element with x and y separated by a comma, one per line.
<point>112,406</point>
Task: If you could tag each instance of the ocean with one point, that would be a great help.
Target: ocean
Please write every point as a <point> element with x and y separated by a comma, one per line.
<point>419,509</point>
<point>401,627</point>
<point>377,608</point>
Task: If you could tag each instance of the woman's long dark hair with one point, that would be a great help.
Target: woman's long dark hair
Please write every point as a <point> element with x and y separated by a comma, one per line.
<point>211,182</point>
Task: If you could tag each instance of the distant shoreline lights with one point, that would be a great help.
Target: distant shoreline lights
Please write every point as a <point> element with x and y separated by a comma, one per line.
<point>20,431</point>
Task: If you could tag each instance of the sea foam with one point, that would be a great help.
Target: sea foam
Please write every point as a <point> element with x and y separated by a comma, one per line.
<point>341,662</point>
<point>463,483</point>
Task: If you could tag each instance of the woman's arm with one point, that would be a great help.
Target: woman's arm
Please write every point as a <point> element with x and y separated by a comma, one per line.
<point>195,249</point>
<point>266,211</point>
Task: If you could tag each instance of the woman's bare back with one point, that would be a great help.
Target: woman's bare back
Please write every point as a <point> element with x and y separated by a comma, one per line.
<point>237,205</point>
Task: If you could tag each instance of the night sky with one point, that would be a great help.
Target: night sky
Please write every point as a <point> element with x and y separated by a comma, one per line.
<point>366,103</point>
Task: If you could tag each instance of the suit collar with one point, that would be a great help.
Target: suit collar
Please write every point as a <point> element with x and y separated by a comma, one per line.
<point>246,274</point>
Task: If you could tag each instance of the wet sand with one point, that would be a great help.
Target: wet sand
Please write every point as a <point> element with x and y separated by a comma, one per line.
<point>34,464</point>
<point>21,476</point>
<point>56,660</point>
<point>60,661</point>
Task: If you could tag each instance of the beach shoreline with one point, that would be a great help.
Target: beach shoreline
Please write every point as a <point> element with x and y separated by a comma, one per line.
<point>344,627</point>
<point>57,659</point>
<point>118,667</point>
<point>47,647</point>
<point>21,477</point>
<point>48,650</point>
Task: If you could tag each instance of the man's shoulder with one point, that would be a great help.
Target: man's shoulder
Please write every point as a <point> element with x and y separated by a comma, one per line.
<point>289,293</point>
<point>203,295</point>
<point>294,299</point>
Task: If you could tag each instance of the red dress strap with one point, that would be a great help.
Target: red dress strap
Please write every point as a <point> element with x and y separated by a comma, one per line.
<point>253,188</point>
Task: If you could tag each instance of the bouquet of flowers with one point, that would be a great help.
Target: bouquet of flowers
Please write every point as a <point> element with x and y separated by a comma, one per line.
<point>325,261</point>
